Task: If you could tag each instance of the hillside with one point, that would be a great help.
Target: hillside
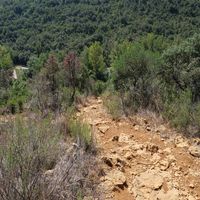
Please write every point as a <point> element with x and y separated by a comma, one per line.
<point>34,27</point>
<point>99,100</point>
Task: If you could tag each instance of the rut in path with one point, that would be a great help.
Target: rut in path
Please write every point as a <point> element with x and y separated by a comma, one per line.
<point>141,161</point>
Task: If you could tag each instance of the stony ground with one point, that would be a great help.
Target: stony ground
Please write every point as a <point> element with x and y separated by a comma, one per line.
<point>141,160</point>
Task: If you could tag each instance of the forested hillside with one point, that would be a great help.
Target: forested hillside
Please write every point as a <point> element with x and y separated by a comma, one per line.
<point>31,27</point>
<point>93,93</point>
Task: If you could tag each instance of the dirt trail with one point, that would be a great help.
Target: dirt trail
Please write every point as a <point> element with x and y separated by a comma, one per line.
<point>141,162</point>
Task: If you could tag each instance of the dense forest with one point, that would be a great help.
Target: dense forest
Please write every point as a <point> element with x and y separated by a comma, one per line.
<point>39,26</point>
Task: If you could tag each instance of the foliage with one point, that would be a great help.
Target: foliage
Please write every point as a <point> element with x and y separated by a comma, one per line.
<point>154,43</point>
<point>196,116</point>
<point>18,95</point>
<point>132,71</point>
<point>5,61</point>
<point>50,87</point>
<point>29,148</point>
<point>96,60</point>
<point>178,110</point>
<point>35,64</point>
<point>35,27</point>
<point>5,75</point>
<point>168,83</point>
<point>182,66</point>
<point>72,69</point>
<point>94,71</point>
<point>113,104</point>
<point>82,132</point>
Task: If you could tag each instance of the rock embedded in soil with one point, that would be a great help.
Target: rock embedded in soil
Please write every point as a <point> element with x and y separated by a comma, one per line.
<point>170,195</point>
<point>136,128</point>
<point>147,184</point>
<point>124,138</point>
<point>167,151</point>
<point>129,155</point>
<point>164,165</point>
<point>181,142</point>
<point>148,128</point>
<point>149,179</point>
<point>194,151</point>
<point>116,177</point>
<point>103,128</point>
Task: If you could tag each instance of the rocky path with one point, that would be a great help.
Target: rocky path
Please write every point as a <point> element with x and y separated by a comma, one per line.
<point>141,161</point>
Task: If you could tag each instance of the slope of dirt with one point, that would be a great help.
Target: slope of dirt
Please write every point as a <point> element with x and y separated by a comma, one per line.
<point>140,162</point>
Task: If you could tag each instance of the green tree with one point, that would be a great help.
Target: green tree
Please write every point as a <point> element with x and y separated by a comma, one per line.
<point>134,73</point>
<point>181,68</point>
<point>94,71</point>
<point>96,61</point>
<point>154,42</point>
<point>5,74</point>
<point>18,94</point>
<point>36,63</point>
<point>180,77</point>
<point>5,58</point>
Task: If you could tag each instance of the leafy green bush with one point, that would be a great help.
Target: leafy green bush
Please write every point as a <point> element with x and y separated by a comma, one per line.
<point>181,69</point>
<point>134,71</point>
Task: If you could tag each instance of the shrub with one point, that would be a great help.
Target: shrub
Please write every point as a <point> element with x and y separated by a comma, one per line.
<point>29,148</point>
<point>98,87</point>
<point>113,104</point>
<point>178,111</point>
<point>18,95</point>
<point>196,115</point>
<point>134,72</point>
<point>82,132</point>
<point>71,65</point>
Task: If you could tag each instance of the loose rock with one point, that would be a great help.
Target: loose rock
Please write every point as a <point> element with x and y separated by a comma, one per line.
<point>181,142</point>
<point>123,138</point>
<point>194,151</point>
<point>103,128</point>
<point>116,177</point>
<point>150,179</point>
<point>170,195</point>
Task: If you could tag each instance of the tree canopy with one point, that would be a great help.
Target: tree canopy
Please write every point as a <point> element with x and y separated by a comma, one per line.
<point>34,27</point>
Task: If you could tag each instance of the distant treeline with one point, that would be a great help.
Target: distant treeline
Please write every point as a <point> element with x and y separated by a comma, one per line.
<point>33,27</point>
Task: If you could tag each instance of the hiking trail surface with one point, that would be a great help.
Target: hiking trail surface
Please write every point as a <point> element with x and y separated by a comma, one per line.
<point>141,160</point>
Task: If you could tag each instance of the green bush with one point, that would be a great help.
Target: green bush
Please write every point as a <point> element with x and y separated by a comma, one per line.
<point>29,148</point>
<point>134,72</point>
<point>98,87</point>
<point>178,111</point>
<point>196,115</point>
<point>82,132</point>
<point>113,104</point>
<point>18,95</point>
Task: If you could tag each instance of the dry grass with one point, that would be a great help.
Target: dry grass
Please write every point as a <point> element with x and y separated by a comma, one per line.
<point>36,163</point>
